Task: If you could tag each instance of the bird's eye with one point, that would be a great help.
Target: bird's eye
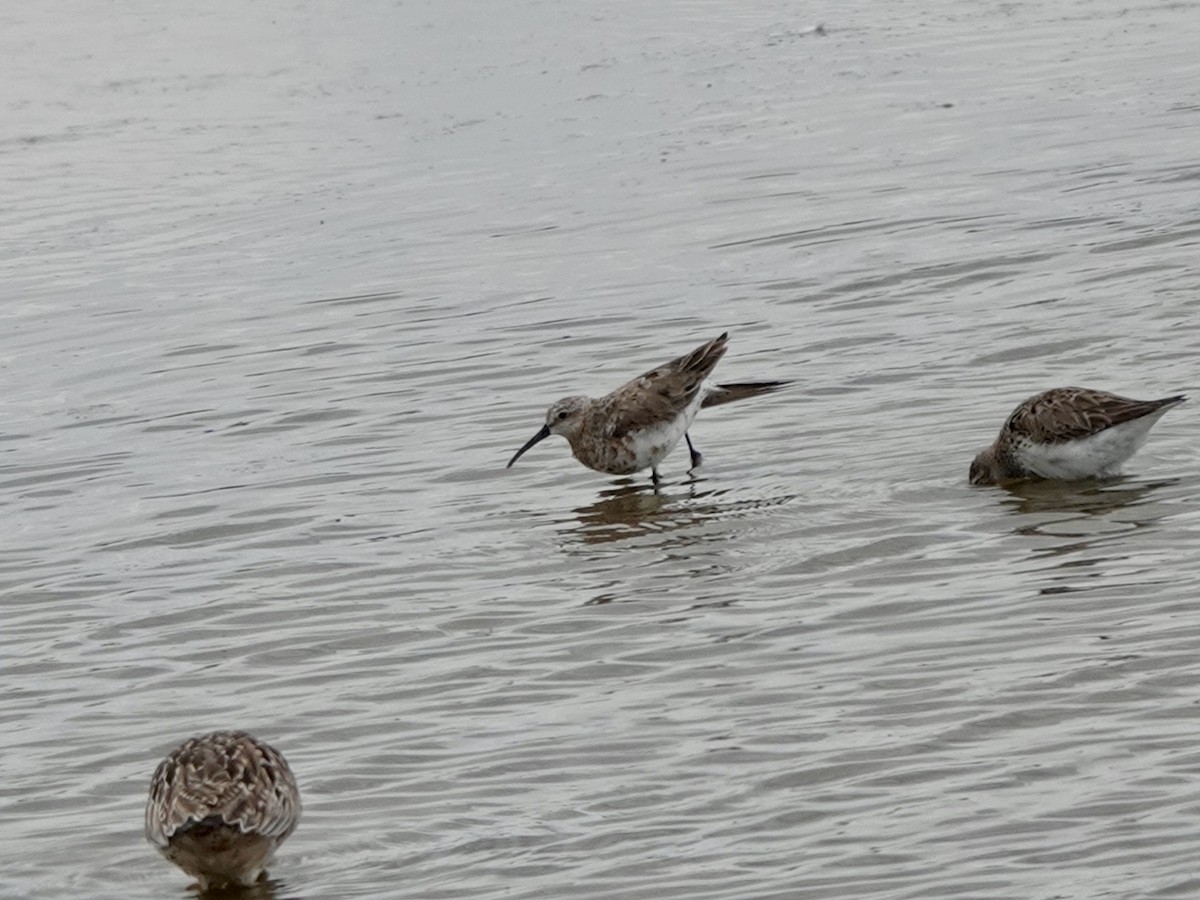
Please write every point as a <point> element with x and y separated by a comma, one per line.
<point>562,415</point>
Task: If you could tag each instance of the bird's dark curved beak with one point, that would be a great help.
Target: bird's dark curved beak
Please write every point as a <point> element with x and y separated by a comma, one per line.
<point>540,436</point>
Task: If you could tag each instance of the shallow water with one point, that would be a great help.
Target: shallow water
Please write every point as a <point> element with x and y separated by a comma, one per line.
<point>285,286</point>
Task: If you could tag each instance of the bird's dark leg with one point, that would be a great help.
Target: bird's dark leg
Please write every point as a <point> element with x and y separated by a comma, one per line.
<point>697,457</point>
<point>655,478</point>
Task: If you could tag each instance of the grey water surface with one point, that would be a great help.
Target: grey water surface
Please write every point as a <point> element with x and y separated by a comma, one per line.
<point>284,285</point>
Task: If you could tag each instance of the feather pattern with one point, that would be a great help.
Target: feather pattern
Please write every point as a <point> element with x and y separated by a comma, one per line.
<point>221,803</point>
<point>665,392</point>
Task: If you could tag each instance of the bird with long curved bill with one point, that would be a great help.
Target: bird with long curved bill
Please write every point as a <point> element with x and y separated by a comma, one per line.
<point>638,425</point>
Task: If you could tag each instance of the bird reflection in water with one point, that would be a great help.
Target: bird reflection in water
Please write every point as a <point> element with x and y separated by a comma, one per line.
<point>268,889</point>
<point>632,510</point>
<point>1079,530</point>
<point>1087,498</point>
<point>1085,515</point>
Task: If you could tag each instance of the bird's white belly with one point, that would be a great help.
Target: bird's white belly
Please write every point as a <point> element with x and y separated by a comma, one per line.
<point>651,445</point>
<point>1095,456</point>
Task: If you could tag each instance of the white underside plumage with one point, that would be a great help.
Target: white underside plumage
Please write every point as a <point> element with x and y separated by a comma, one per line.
<point>1099,455</point>
<point>652,445</point>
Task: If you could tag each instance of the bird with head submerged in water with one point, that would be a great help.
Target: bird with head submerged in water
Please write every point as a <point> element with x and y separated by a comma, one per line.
<point>220,805</point>
<point>1068,434</point>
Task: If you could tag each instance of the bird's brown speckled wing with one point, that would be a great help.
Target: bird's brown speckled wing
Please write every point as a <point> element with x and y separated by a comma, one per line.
<point>662,393</point>
<point>1071,413</point>
<point>227,775</point>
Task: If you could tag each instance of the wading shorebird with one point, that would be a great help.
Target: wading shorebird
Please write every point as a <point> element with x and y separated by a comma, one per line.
<point>639,423</point>
<point>219,807</point>
<point>1067,434</point>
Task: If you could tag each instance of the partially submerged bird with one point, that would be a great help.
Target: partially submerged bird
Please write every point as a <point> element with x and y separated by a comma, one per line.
<point>639,423</point>
<point>1067,434</point>
<point>219,807</point>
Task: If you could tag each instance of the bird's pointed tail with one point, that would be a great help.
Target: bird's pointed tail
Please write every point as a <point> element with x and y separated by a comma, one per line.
<point>727,393</point>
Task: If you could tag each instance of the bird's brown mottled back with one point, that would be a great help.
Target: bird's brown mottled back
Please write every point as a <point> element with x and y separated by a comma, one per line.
<point>1070,413</point>
<point>221,799</point>
<point>661,393</point>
